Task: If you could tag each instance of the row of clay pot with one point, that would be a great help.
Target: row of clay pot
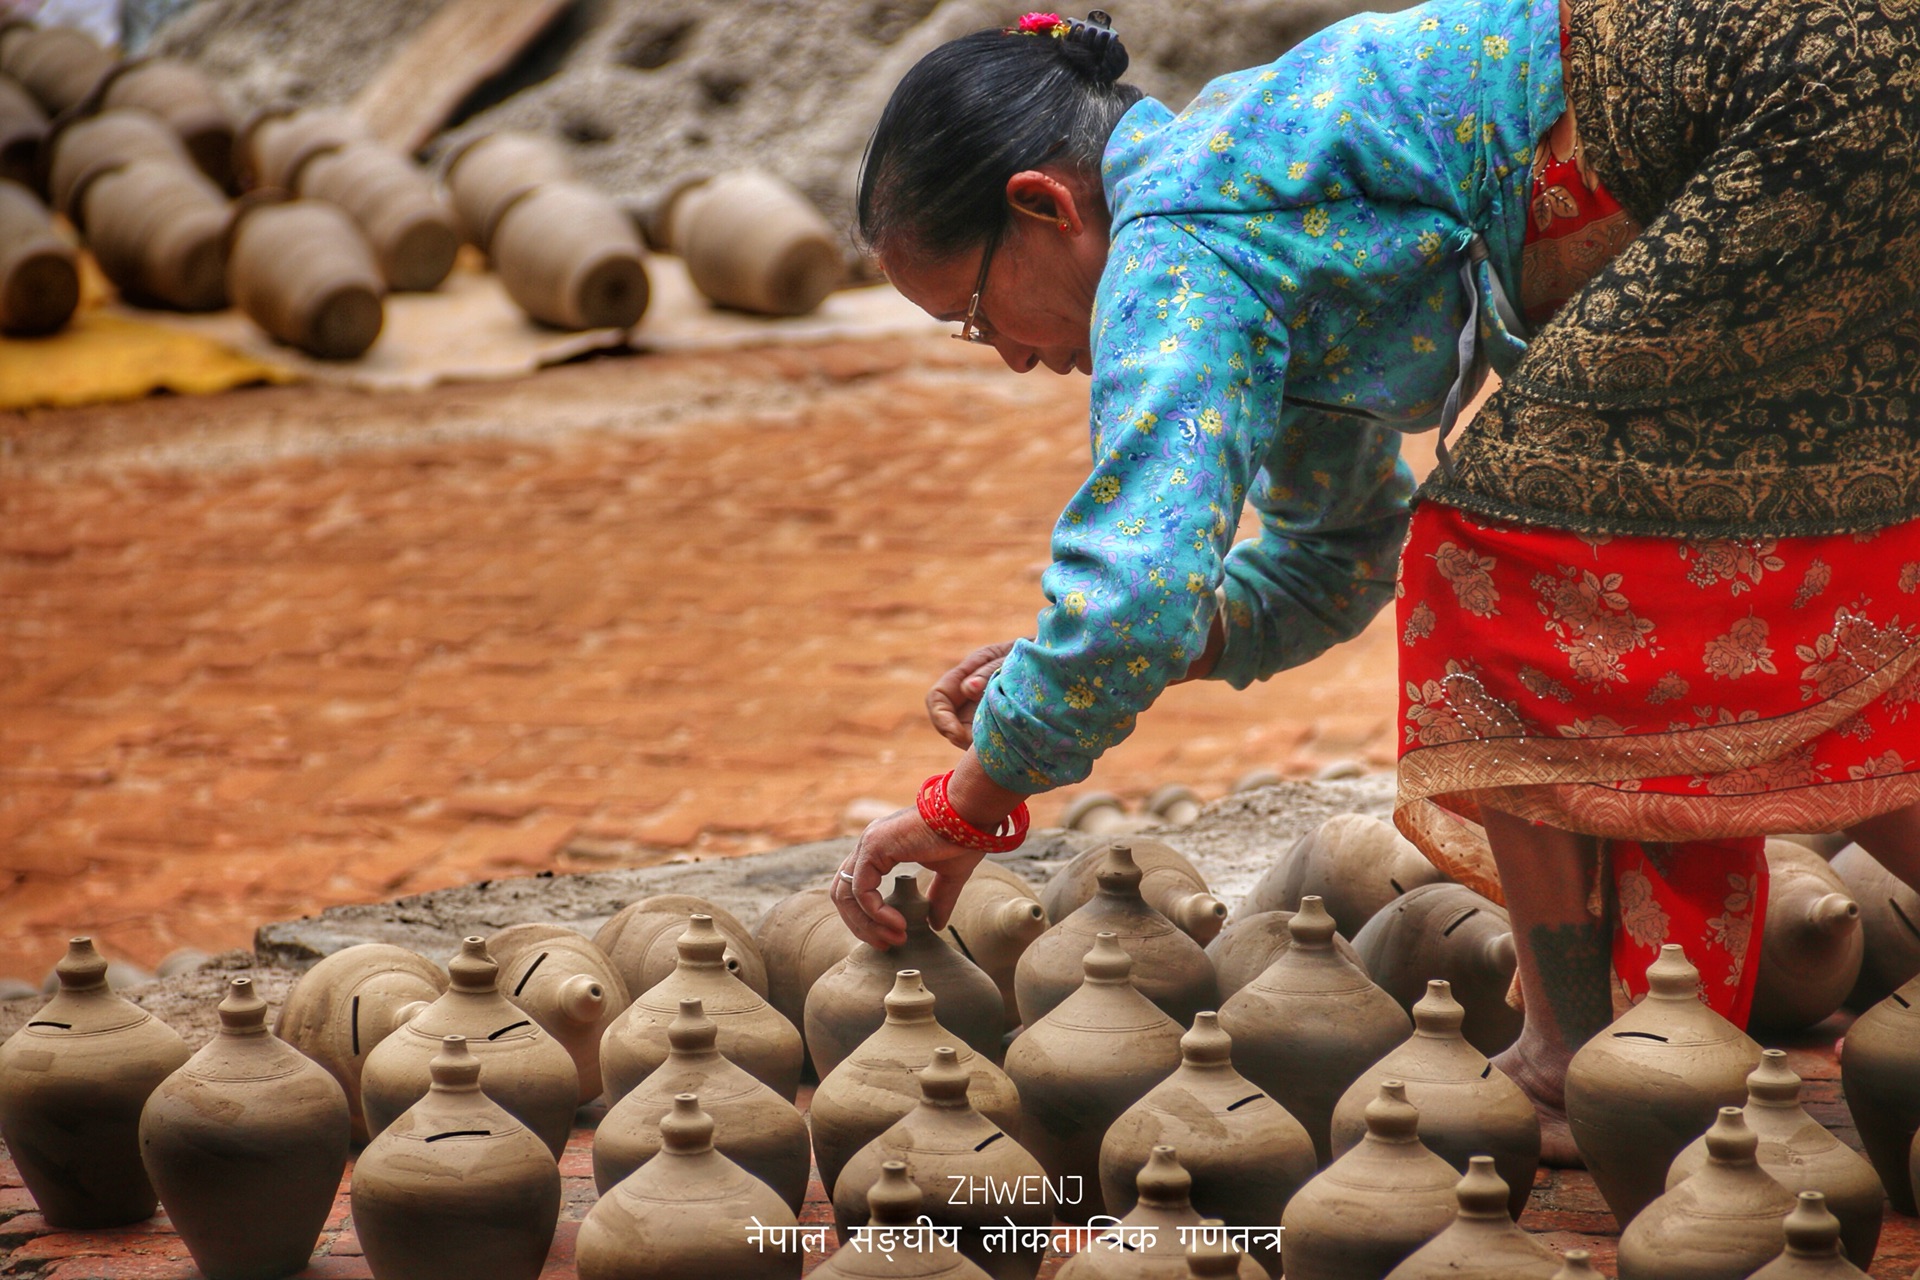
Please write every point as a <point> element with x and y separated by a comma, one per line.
<point>59,66</point>
<point>39,271</point>
<point>1101,813</point>
<point>751,242</point>
<point>23,130</point>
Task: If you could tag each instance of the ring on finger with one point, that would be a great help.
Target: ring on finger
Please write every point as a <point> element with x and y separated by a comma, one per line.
<point>847,876</point>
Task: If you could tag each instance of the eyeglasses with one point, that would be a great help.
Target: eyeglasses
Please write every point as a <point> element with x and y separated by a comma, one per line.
<point>970,330</point>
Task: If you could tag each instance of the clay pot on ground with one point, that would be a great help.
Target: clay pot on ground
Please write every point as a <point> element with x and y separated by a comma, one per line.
<point>487,175</point>
<point>1467,1105</point>
<point>878,1083</point>
<point>159,232</point>
<point>1576,1264</point>
<point>277,145</point>
<point>1247,1156</point>
<point>1889,926</point>
<point>1169,968</point>
<point>1168,883</point>
<point>1813,1249</point>
<point>59,66</point>
<point>1082,1065</point>
<point>456,1186</point>
<point>1355,863</point>
<point>1799,1153</point>
<point>689,1213</point>
<point>1100,813</point>
<point>975,1174</point>
<point>1811,944</point>
<point>1307,1027</point>
<point>847,1003</point>
<point>571,259</point>
<point>750,1032</point>
<point>248,1121</point>
<point>1880,1075</point>
<point>1249,944</point>
<point>567,985</point>
<point>1175,805</point>
<point>528,1072</point>
<point>753,1126</point>
<point>39,273</point>
<point>996,918</point>
<point>72,1083</point>
<point>1161,1201</point>
<point>302,272</point>
<point>1482,1240</point>
<point>895,1203</point>
<point>1651,1083</point>
<point>642,939</point>
<point>753,243</point>
<point>1372,1208</point>
<point>179,94</point>
<point>1722,1223</point>
<point>84,149</point>
<point>23,128</point>
<point>1447,931</point>
<point>800,937</point>
<point>393,203</point>
<point>348,1003</point>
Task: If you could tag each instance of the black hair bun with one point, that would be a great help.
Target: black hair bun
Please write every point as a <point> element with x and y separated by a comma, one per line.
<point>1091,48</point>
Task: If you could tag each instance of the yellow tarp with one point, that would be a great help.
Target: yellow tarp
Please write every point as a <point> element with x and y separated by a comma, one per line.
<point>100,358</point>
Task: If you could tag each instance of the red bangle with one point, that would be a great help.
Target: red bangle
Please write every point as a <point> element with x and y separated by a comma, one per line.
<point>937,811</point>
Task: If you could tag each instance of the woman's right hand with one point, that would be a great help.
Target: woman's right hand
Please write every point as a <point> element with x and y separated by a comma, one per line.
<point>956,695</point>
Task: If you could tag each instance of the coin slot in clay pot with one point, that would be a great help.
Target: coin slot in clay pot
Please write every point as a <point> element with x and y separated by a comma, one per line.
<point>1901,916</point>
<point>64,1026</point>
<point>532,969</point>
<point>1639,1035</point>
<point>1902,1003</point>
<point>1465,916</point>
<point>511,1026</point>
<point>984,1143</point>
<point>1395,884</point>
<point>462,1133</point>
<point>1252,1097</point>
<point>1486,1071</point>
<point>961,943</point>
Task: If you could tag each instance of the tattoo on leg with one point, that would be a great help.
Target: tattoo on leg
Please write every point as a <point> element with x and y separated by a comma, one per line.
<point>1573,962</point>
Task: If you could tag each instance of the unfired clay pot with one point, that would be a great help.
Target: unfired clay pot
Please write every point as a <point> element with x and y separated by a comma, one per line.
<point>487,175</point>
<point>278,144</point>
<point>1168,883</point>
<point>1447,931</point>
<point>58,65</point>
<point>1813,1249</point>
<point>528,1072</point>
<point>567,985</point>
<point>1801,1155</point>
<point>1468,1106</point>
<point>1211,1256</point>
<point>751,1032</point>
<point>1169,968</point>
<point>571,259</point>
<point>643,941</point>
<point>995,920</point>
<point>687,1214</point>
<point>182,96</point>
<point>39,273</point>
<point>72,1082</point>
<point>1307,1027</point>
<point>456,1187</point>
<point>1161,1201</point>
<point>85,149</point>
<point>1880,1074</point>
<point>23,127</point>
<point>800,937</point>
<point>303,272</point>
<point>847,1004</point>
<point>1355,863</point>
<point>974,1173</point>
<point>1082,1065</point>
<point>877,1084</point>
<point>752,242</point>
<point>158,230</point>
<point>248,1121</point>
<point>1249,944</point>
<point>1482,1241</point>
<point>410,231</point>
<point>1644,1088</point>
<point>1889,925</point>
<point>1811,946</point>
<point>753,1126</point>
<point>351,1001</point>
<point>895,1201</point>
<point>1722,1223</point>
<point>1576,1264</point>
<point>1175,805</point>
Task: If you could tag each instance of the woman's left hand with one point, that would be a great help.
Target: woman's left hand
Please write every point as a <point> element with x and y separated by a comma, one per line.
<point>899,837</point>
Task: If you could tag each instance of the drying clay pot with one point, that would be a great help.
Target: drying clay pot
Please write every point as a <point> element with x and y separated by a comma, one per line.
<point>1644,1088</point>
<point>23,128</point>
<point>248,1121</point>
<point>278,145</point>
<point>1722,1223</point>
<point>180,95</point>
<point>1082,1065</point>
<point>1100,813</point>
<point>973,1172</point>
<point>1307,1027</point>
<point>1467,1105</point>
<point>1356,863</point>
<point>58,65</point>
<point>486,176</point>
<point>348,1003</point>
<point>1246,1154</point>
<point>1482,1241</point>
<point>1373,1207</point>
<point>303,272</point>
<point>85,149</point>
<point>1889,925</point>
<point>996,918</point>
<point>1880,1075</point>
<point>751,1032</point>
<point>1811,945</point>
<point>571,259</point>
<point>800,937</point>
<point>1213,1255</point>
<point>1813,1246</point>
<point>410,231</point>
<point>1447,931</point>
<point>877,1084</point>
<point>643,938</point>
<point>892,1205</point>
<point>1801,1155</point>
<point>1249,944</point>
<point>567,985</point>
<point>687,1214</point>
<point>456,1187</point>
<point>1576,1264</point>
<point>72,1082</point>
<point>158,230</point>
<point>1175,805</point>
<point>1169,968</point>
<point>528,1072</point>
<point>1162,1202</point>
<point>753,1126</point>
<point>39,273</point>
<point>753,243</point>
<point>1168,883</point>
<point>847,1004</point>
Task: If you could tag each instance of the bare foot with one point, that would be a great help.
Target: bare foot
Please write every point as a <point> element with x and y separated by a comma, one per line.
<point>1542,1076</point>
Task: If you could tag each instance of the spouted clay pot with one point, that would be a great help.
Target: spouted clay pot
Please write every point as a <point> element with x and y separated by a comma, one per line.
<point>528,1072</point>
<point>85,149</point>
<point>1811,946</point>
<point>23,128</point>
<point>1880,1075</point>
<point>1889,926</point>
<point>847,1003</point>
<point>877,1084</point>
<point>643,941</point>
<point>567,985</point>
<point>277,145</point>
<point>302,272</point>
<point>1447,931</point>
<point>1799,1153</point>
<point>248,1121</point>
<point>410,231</point>
<point>348,1003</point>
<point>1813,1249</point>
<point>1169,968</point>
<point>750,1032</point>
<point>1168,883</point>
<point>1082,1065</point>
<point>753,243</point>
<point>39,272</point>
<point>487,175</point>
<point>1307,1027</point>
<point>1644,1088</point>
<point>1249,944</point>
<point>753,1126</point>
<point>571,259</point>
<point>1722,1223</point>
<point>688,1214</point>
<point>58,65</point>
<point>1482,1241</point>
<point>72,1083</point>
<point>892,1248</point>
<point>995,920</point>
<point>1468,1106</point>
<point>1162,1202</point>
<point>179,94</point>
<point>456,1187</point>
<point>159,232</point>
<point>1356,864</point>
<point>1372,1208</point>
